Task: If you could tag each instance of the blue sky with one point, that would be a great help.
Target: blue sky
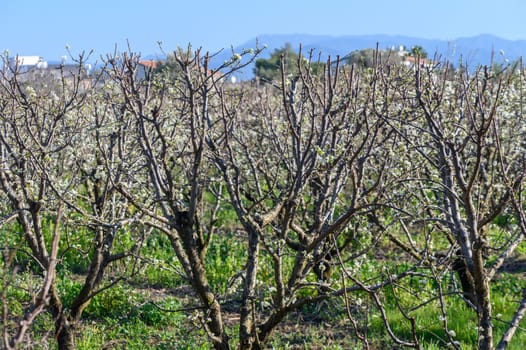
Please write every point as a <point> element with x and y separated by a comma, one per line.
<point>45,28</point>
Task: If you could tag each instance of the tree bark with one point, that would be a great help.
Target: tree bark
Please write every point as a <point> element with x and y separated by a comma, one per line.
<point>215,324</point>
<point>63,329</point>
<point>482,290</point>
<point>247,333</point>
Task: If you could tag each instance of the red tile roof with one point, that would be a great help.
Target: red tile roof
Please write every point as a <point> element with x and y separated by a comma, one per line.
<point>150,63</point>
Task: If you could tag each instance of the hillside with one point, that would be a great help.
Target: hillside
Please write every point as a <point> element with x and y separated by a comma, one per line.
<point>472,51</point>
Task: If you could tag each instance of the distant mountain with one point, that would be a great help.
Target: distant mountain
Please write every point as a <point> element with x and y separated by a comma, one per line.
<point>473,51</point>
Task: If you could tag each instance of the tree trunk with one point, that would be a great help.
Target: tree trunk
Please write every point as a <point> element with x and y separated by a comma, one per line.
<point>247,333</point>
<point>63,329</point>
<point>200,284</point>
<point>482,290</point>
<point>65,337</point>
<point>466,280</point>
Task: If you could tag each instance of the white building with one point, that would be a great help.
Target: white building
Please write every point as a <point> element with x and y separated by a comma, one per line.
<point>29,61</point>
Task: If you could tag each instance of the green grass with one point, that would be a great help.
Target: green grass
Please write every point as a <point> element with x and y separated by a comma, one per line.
<point>460,318</point>
<point>145,313</point>
<point>159,265</point>
<point>132,317</point>
<point>225,258</point>
<point>127,318</point>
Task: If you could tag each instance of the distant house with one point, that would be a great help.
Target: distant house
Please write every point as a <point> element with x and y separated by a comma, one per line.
<point>35,70</point>
<point>412,61</point>
<point>145,67</point>
<point>24,64</point>
<point>30,61</point>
